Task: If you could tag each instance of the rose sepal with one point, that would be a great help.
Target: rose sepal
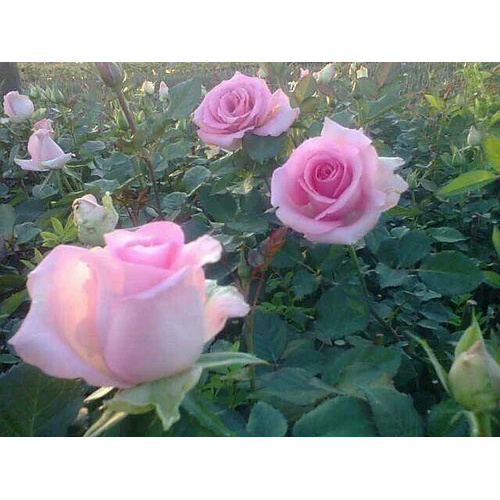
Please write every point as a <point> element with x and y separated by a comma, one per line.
<point>164,395</point>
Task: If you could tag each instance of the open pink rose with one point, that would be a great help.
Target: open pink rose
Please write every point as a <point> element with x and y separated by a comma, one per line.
<point>239,105</point>
<point>17,107</point>
<point>44,124</point>
<point>137,310</point>
<point>333,188</point>
<point>45,153</point>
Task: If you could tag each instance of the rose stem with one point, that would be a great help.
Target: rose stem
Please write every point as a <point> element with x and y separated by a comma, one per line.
<point>375,314</point>
<point>480,424</point>
<point>131,123</point>
<point>248,329</point>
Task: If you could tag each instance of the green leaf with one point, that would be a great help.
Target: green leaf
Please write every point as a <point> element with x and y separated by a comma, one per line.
<point>447,419</point>
<point>25,232</point>
<point>492,278</point>
<point>492,150</point>
<point>404,211</point>
<point>34,404</point>
<point>194,178</point>
<point>470,181</point>
<point>337,417</point>
<point>249,224</point>
<point>183,98</point>
<point>435,101</point>
<point>495,237</point>
<point>469,337</point>
<point>200,410</point>
<point>390,277</point>
<point>221,207</point>
<point>450,273</point>
<point>173,201</point>
<point>263,148</point>
<point>90,147</point>
<point>342,310</point>
<point>219,359</point>
<point>7,219</point>
<point>304,283</point>
<point>269,335</point>
<point>306,87</point>
<point>179,149</point>
<point>10,304</point>
<point>446,234</point>
<point>266,421</point>
<point>378,108</point>
<point>363,366</point>
<point>164,396</point>
<point>394,413</point>
<point>294,385</point>
<point>412,247</point>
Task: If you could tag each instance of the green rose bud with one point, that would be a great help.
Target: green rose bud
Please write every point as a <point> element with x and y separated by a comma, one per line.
<point>475,379</point>
<point>148,87</point>
<point>473,137</point>
<point>93,220</point>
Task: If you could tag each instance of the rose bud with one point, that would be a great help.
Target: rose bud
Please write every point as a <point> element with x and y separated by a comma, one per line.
<point>163,91</point>
<point>148,88</point>
<point>111,74</point>
<point>45,153</point>
<point>44,124</point>
<point>473,137</point>
<point>17,107</point>
<point>474,379</point>
<point>93,220</point>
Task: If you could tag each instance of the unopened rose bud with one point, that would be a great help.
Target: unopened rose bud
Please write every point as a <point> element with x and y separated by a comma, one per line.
<point>475,379</point>
<point>46,124</point>
<point>111,74</point>
<point>473,137</point>
<point>163,91</point>
<point>148,88</point>
<point>17,107</point>
<point>93,220</point>
<point>326,74</point>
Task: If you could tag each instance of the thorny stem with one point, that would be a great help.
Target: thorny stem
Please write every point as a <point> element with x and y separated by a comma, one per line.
<point>375,314</point>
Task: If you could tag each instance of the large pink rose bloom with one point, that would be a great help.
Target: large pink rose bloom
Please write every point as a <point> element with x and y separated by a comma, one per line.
<point>17,107</point>
<point>45,153</point>
<point>333,188</point>
<point>239,105</point>
<point>137,310</point>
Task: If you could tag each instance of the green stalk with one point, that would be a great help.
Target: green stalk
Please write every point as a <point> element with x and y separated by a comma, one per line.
<point>375,314</point>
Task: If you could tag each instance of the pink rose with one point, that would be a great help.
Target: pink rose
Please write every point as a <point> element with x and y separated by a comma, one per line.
<point>137,310</point>
<point>333,188</point>
<point>45,153</point>
<point>17,107</point>
<point>240,105</point>
<point>45,124</point>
